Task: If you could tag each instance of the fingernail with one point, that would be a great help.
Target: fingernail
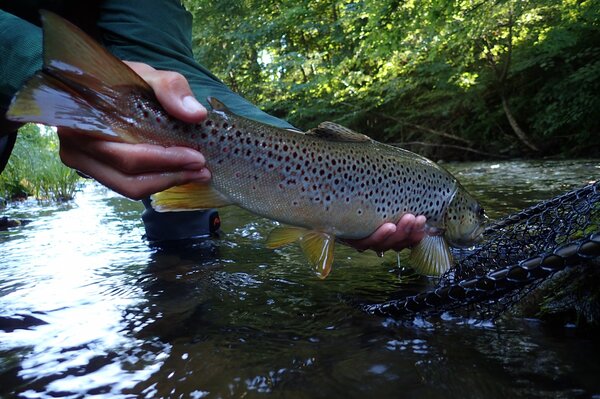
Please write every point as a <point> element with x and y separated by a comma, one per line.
<point>201,175</point>
<point>191,105</point>
<point>194,166</point>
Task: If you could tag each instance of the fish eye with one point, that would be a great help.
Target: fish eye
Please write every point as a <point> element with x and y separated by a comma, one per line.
<point>480,211</point>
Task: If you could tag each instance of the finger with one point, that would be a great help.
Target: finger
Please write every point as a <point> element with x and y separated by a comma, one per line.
<point>172,91</point>
<point>381,234</point>
<point>129,158</point>
<point>407,234</point>
<point>134,186</point>
<point>409,231</point>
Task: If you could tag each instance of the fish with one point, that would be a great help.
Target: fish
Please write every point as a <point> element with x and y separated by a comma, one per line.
<point>323,186</point>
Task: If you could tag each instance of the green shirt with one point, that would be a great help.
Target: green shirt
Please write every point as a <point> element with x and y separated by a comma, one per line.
<point>156,32</point>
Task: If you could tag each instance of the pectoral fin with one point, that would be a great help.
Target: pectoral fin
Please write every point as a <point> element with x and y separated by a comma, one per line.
<point>188,197</point>
<point>431,256</point>
<point>317,246</point>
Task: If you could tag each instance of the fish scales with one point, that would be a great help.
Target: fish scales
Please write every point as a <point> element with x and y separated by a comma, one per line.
<point>326,183</point>
<point>343,188</point>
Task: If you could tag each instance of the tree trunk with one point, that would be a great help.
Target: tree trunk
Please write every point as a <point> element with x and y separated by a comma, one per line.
<point>515,126</point>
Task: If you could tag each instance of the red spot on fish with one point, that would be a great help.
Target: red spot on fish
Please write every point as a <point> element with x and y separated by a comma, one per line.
<point>225,149</point>
<point>158,119</point>
<point>204,135</point>
<point>208,122</point>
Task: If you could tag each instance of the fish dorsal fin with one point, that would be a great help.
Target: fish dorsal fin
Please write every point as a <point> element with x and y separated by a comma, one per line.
<point>334,132</point>
<point>188,197</point>
<point>73,53</point>
<point>317,246</point>
<point>217,105</point>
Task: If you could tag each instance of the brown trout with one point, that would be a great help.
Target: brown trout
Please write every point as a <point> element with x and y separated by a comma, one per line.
<point>328,182</point>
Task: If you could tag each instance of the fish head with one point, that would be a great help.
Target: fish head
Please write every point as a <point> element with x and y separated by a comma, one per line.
<point>465,220</point>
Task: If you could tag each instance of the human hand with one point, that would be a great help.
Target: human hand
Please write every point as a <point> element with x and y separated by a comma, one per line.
<point>406,233</point>
<point>138,170</point>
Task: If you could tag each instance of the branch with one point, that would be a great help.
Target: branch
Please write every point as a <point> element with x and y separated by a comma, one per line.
<point>456,147</point>
<point>420,127</point>
<point>511,22</point>
<point>425,128</point>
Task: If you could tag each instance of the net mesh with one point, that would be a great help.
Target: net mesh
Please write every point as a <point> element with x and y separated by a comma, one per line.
<point>518,253</point>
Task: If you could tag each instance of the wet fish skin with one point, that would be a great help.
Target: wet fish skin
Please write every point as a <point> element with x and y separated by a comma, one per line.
<point>329,182</point>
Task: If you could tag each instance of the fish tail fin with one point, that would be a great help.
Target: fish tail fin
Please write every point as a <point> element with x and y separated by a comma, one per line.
<point>78,83</point>
<point>317,246</point>
<point>431,257</point>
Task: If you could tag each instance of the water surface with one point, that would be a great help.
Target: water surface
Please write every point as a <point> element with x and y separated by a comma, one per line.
<point>89,309</point>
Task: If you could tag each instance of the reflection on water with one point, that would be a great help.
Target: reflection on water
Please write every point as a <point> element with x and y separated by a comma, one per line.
<point>88,308</point>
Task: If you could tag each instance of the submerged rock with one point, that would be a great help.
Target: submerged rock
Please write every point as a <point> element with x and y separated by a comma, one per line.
<point>6,223</point>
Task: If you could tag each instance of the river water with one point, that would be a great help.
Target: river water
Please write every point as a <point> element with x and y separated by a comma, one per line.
<point>89,309</point>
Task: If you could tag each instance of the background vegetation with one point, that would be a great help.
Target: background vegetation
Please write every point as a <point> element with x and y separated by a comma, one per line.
<point>35,169</point>
<point>449,79</point>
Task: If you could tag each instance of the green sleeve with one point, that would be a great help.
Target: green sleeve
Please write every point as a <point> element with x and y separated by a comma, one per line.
<point>21,57</point>
<point>160,34</point>
<point>21,49</point>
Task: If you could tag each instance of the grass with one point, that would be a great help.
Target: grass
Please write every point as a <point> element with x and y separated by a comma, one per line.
<point>34,168</point>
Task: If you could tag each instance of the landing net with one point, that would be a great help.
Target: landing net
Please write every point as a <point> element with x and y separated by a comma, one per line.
<point>517,254</point>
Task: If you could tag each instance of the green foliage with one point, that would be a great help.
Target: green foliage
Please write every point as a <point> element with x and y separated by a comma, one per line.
<point>417,71</point>
<point>34,168</point>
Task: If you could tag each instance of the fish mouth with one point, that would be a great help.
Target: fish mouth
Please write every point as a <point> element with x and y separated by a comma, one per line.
<point>475,237</point>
